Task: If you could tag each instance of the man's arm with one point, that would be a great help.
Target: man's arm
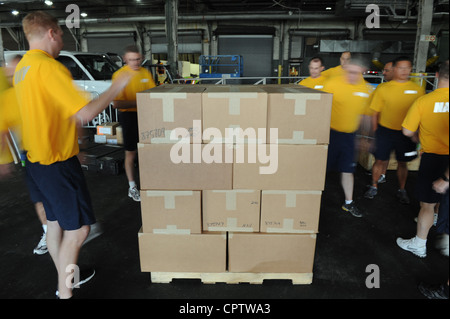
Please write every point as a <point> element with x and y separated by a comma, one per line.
<point>413,135</point>
<point>94,107</point>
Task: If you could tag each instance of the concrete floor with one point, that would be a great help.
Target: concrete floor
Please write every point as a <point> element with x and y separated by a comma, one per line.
<point>345,247</point>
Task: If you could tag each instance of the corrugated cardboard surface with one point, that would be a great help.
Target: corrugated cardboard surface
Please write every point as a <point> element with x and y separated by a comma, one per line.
<point>300,167</point>
<point>171,212</point>
<point>182,253</point>
<point>232,210</point>
<point>165,108</point>
<point>159,172</point>
<point>271,253</point>
<point>229,106</point>
<point>290,211</point>
<point>301,115</point>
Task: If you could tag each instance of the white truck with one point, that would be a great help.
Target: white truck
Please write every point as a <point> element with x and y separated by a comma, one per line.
<point>92,72</point>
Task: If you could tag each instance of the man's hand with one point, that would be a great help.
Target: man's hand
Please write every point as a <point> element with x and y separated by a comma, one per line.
<point>440,186</point>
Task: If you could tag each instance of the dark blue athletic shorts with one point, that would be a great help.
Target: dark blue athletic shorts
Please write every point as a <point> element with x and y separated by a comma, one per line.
<point>432,167</point>
<point>387,140</point>
<point>341,152</point>
<point>62,188</point>
<point>129,123</point>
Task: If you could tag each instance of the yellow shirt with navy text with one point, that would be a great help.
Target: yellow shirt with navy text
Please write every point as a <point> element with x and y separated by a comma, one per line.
<point>141,81</point>
<point>316,83</point>
<point>430,114</point>
<point>393,100</point>
<point>349,103</point>
<point>48,99</point>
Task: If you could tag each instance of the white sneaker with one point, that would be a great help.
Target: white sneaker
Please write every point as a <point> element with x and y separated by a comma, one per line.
<point>411,246</point>
<point>134,194</point>
<point>41,248</point>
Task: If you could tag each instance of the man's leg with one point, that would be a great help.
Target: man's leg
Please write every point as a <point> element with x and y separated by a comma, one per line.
<point>425,220</point>
<point>130,157</point>
<point>378,168</point>
<point>133,191</point>
<point>402,175</point>
<point>347,181</point>
<point>41,248</point>
<point>68,255</point>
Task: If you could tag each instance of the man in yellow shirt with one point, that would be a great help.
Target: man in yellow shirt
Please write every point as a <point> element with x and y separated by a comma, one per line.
<point>10,120</point>
<point>338,70</point>
<point>430,116</point>
<point>126,103</point>
<point>350,97</point>
<point>316,80</point>
<point>52,109</point>
<point>390,103</point>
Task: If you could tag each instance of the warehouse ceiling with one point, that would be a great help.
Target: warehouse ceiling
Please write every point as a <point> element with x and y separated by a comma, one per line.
<point>104,9</point>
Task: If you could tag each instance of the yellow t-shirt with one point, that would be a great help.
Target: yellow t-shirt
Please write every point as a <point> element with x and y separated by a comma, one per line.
<point>332,72</point>
<point>429,114</point>
<point>142,81</point>
<point>393,100</point>
<point>3,81</point>
<point>316,83</point>
<point>349,103</point>
<point>48,99</point>
<point>9,119</point>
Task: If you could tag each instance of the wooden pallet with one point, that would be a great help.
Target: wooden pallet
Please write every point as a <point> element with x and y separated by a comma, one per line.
<point>231,278</point>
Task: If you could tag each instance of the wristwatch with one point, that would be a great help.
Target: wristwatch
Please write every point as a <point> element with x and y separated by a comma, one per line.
<point>444,178</point>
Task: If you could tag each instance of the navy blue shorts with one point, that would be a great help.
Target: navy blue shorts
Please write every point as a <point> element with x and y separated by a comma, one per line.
<point>129,123</point>
<point>341,152</point>
<point>387,140</point>
<point>62,189</point>
<point>432,167</point>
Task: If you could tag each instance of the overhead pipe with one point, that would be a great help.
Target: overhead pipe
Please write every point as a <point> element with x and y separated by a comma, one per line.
<point>320,33</point>
<point>197,18</point>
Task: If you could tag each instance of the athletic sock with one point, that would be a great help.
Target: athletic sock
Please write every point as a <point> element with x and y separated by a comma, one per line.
<point>132,184</point>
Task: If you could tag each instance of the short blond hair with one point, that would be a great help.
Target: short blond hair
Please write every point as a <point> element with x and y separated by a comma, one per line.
<point>37,23</point>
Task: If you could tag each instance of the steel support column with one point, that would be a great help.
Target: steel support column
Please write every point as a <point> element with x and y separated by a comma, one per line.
<point>424,21</point>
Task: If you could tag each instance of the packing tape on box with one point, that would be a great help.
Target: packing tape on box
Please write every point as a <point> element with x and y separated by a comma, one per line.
<point>172,230</point>
<point>300,100</point>
<point>231,197</point>
<point>291,196</point>
<point>298,137</point>
<point>288,228</point>
<point>231,226</point>
<point>169,196</point>
<point>234,100</point>
<point>168,101</point>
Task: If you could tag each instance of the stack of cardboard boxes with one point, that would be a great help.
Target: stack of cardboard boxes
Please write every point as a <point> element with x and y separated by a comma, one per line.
<point>216,201</point>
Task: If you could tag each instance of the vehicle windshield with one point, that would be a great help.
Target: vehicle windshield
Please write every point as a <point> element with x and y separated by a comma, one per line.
<point>99,66</point>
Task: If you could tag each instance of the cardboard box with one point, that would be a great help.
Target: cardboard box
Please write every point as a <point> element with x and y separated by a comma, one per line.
<point>301,115</point>
<point>295,167</point>
<point>171,212</point>
<point>107,128</point>
<point>165,108</point>
<point>290,211</point>
<point>159,171</point>
<point>183,253</point>
<point>119,134</point>
<point>271,253</point>
<point>100,139</point>
<point>234,106</point>
<point>231,210</point>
